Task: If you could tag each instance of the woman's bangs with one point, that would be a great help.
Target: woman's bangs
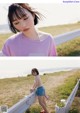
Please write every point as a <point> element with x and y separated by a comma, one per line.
<point>18,14</point>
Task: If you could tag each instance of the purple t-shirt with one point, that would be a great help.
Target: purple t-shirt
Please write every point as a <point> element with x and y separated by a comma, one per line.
<point>19,45</point>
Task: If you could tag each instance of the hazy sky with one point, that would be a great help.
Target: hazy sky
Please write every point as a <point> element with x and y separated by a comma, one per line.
<point>55,13</point>
<point>18,66</point>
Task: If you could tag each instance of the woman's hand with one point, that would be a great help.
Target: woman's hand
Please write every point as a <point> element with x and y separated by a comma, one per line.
<point>31,90</point>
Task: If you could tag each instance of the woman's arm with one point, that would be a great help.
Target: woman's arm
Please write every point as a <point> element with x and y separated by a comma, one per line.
<point>34,86</point>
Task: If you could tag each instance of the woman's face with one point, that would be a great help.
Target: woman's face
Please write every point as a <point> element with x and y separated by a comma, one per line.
<point>34,73</point>
<point>25,23</point>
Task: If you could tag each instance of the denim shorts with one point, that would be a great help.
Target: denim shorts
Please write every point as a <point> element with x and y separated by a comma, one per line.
<point>40,91</point>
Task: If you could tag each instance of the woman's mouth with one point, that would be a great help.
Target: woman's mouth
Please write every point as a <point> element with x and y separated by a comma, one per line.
<point>26,29</point>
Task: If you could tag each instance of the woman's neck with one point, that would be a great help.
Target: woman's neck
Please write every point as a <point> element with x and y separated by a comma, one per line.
<point>32,34</point>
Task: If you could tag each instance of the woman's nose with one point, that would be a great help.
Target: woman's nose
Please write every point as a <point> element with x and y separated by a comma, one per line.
<point>23,24</point>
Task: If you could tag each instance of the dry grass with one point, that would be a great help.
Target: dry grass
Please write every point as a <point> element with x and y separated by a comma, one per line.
<point>60,29</point>
<point>14,89</point>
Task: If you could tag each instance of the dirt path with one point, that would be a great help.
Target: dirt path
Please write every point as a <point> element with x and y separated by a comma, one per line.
<point>12,93</point>
<point>55,81</point>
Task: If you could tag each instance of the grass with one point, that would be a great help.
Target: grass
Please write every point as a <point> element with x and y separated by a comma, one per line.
<point>60,29</point>
<point>70,48</point>
<point>75,108</point>
<point>11,89</point>
<point>66,88</point>
<point>63,91</point>
<point>14,89</point>
<point>17,88</point>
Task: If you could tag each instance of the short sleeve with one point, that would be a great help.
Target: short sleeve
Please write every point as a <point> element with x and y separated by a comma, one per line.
<point>6,49</point>
<point>52,50</point>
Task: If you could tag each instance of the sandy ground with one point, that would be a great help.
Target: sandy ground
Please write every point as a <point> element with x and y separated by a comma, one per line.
<point>55,81</point>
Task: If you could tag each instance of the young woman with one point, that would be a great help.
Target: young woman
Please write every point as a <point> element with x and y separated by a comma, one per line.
<point>27,41</point>
<point>39,88</point>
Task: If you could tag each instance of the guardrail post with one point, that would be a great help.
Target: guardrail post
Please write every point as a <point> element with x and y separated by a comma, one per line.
<point>69,101</point>
<point>59,109</point>
<point>3,109</point>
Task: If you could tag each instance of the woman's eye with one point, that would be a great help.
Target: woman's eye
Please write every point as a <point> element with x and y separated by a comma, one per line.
<point>26,18</point>
<point>16,23</point>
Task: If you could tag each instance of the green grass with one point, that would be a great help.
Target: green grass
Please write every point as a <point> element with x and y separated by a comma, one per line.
<point>66,88</point>
<point>63,91</point>
<point>14,89</point>
<point>70,48</point>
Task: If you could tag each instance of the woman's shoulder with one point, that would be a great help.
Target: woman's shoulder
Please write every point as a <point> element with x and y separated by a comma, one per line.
<point>13,38</point>
<point>44,35</point>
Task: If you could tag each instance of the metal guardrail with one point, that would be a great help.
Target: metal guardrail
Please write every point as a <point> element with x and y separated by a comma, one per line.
<point>66,37</point>
<point>69,101</point>
<point>23,104</point>
<point>62,38</point>
<point>27,101</point>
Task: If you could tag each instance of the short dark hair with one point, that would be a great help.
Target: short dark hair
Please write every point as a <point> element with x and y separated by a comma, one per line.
<point>13,8</point>
<point>35,70</point>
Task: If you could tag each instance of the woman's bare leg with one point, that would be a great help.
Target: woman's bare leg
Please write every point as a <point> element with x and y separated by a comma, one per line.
<point>42,103</point>
<point>44,100</point>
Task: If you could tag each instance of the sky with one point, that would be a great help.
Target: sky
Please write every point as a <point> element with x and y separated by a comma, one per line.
<point>55,13</point>
<point>22,66</point>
